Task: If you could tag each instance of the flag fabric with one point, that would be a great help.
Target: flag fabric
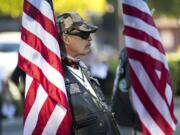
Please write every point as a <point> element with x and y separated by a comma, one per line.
<point>152,94</point>
<point>46,109</point>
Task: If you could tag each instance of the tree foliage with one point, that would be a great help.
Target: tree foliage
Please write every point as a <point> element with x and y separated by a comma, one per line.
<point>169,8</point>
<point>83,7</point>
<point>13,8</point>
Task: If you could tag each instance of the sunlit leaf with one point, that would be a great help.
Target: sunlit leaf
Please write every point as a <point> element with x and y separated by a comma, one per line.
<point>13,8</point>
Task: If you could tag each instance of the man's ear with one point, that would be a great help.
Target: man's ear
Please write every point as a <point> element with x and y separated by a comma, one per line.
<point>66,39</point>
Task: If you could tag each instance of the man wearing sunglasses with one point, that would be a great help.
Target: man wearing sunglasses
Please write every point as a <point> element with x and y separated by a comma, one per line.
<point>91,115</point>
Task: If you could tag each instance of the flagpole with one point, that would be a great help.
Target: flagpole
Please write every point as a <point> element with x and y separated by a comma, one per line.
<point>120,25</point>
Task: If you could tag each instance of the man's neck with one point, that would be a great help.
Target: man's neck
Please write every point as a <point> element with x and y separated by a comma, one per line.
<point>69,57</point>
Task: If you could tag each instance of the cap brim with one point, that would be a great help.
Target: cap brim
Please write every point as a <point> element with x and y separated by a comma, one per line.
<point>87,28</point>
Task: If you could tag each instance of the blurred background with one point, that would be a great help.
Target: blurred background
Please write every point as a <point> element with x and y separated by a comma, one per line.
<point>102,60</point>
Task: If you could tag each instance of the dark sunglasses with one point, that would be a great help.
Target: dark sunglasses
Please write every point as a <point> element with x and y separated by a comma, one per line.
<point>83,35</point>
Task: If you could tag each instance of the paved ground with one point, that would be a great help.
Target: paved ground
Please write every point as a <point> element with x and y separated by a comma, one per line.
<point>14,126</point>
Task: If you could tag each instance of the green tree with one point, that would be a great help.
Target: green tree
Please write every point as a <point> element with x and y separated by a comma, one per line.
<point>83,7</point>
<point>13,8</point>
<point>168,8</point>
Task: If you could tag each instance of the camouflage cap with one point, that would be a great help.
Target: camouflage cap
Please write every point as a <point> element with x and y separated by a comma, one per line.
<point>70,22</point>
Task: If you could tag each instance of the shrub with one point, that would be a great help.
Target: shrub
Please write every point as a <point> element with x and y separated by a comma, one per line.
<point>174,67</point>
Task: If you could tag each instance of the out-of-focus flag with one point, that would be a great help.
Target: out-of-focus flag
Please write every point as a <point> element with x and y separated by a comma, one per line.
<point>46,109</point>
<point>152,94</point>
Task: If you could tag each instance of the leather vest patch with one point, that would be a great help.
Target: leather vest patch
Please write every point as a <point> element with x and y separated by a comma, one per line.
<point>74,88</point>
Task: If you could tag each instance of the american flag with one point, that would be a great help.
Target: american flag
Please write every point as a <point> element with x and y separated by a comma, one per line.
<point>152,94</point>
<point>46,109</point>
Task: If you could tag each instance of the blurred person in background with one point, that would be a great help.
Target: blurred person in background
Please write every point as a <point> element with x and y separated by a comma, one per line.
<point>7,107</point>
<point>99,69</point>
<point>18,78</point>
<point>2,86</point>
<point>2,78</point>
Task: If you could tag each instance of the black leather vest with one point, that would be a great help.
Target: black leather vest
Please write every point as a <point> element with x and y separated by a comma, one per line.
<point>90,114</point>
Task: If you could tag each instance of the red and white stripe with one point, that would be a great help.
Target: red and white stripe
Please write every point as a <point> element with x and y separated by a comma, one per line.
<point>46,109</point>
<point>151,83</point>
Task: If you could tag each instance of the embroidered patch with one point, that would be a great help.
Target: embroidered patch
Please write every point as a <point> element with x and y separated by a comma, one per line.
<point>74,88</point>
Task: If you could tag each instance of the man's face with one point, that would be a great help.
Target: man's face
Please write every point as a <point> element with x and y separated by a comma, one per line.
<point>78,45</point>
